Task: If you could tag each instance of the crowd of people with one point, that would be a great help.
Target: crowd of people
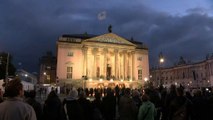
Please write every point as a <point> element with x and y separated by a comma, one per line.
<point>150,103</point>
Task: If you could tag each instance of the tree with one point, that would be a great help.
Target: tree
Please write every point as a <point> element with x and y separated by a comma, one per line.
<point>4,60</point>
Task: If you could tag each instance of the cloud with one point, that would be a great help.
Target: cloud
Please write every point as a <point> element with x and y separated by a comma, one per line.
<point>30,28</point>
<point>197,10</point>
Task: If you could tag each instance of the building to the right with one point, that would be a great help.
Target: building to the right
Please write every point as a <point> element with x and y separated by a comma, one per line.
<point>187,74</point>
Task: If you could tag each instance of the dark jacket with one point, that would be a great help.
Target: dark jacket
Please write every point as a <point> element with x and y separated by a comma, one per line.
<point>73,109</point>
<point>147,111</point>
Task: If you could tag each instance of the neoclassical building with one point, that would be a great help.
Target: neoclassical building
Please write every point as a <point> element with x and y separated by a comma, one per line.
<point>191,75</point>
<point>106,60</point>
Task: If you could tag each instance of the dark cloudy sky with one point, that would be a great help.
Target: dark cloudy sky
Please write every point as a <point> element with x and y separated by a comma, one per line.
<point>29,28</point>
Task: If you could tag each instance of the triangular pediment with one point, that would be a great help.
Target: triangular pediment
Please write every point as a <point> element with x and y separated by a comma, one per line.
<point>109,38</point>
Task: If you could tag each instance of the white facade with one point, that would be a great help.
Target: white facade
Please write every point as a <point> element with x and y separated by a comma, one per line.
<point>108,57</point>
<point>189,75</point>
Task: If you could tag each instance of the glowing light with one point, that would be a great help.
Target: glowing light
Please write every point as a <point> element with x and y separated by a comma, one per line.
<point>175,83</point>
<point>122,80</point>
<point>90,79</point>
<point>111,80</point>
<point>26,75</point>
<point>145,79</point>
<point>130,80</point>
<point>100,80</point>
<point>161,60</point>
<point>45,73</point>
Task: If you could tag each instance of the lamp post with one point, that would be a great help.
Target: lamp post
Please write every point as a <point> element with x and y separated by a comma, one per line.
<point>161,61</point>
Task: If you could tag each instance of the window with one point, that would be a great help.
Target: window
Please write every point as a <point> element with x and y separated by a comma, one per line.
<point>48,67</point>
<point>70,54</point>
<point>139,74</point>
<point>139,58</point>
<point>183,75</point>
<point>48,77</point>
<point>69,72</point>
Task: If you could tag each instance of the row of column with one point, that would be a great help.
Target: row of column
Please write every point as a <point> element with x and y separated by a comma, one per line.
<point>121,63</point>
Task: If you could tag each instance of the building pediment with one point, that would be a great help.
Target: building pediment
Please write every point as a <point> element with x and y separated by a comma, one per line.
<point>110,38</point>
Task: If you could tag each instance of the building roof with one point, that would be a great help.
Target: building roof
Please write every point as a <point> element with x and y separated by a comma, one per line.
<point>82,36</point>
<point>109,38</point>
<point>105,38</point>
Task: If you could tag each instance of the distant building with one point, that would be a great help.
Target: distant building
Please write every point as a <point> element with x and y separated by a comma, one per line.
<point>47,65</point>
<point>187,74</point>
<point>106,60</point>
<point>29,80</point>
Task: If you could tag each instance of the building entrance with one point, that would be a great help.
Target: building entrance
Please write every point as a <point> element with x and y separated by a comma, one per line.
<point>108,72</point>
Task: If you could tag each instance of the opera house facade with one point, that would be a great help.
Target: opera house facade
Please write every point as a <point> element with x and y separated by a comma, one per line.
<point>107,60</point>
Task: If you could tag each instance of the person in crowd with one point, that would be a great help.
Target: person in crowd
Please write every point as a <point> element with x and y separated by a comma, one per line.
<point>147,110</point>
<point>200,106</point>
<point>14,108</point>
<point>136,98</point>
<point>109,105</point>
<point>35,104</point>
<point>127,108</point>
<point>85,105</point>
<point>91,91</point>
<point>155,98</point>
<point>72,107</point>
<point>180,107</point>
<point>1,96</point>
<point>170,96</point>
<point>96,105</point>
<point>53,109</point>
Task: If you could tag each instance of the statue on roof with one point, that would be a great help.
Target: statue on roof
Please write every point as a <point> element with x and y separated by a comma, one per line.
<point>110,28</point>
<point>132,39</point>
<point>181,61</point>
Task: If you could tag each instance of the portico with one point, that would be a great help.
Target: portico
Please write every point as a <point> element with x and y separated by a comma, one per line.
<point>109,57</point>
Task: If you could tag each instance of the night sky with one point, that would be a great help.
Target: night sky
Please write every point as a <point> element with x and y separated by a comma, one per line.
<point>30,28</point>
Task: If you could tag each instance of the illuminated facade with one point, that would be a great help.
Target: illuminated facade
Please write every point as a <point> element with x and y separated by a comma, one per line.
<point>101,61</point>
<point>190,75</point>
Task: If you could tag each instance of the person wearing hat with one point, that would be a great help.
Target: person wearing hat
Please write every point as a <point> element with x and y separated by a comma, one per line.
<point>14,108</point>
<point>72,107</point>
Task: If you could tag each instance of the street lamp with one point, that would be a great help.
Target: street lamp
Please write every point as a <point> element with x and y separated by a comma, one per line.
<point>161,61</point>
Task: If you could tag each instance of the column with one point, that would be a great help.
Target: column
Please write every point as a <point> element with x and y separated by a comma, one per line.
<point>119,68</point>
<point>105,61</point>
<point>121,65</point>
<point>85,69</point>
<point>116,63</point>
<point>133,65</point>
<point>127,67</point>
<point>124,62</point>
<point>130,65</point>
<point>94,63</point>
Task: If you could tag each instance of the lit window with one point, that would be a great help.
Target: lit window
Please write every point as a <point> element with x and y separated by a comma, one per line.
<point>69,72</point>
<point>48,67</point>
<point>139,74</point>
<point>48,77</point>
